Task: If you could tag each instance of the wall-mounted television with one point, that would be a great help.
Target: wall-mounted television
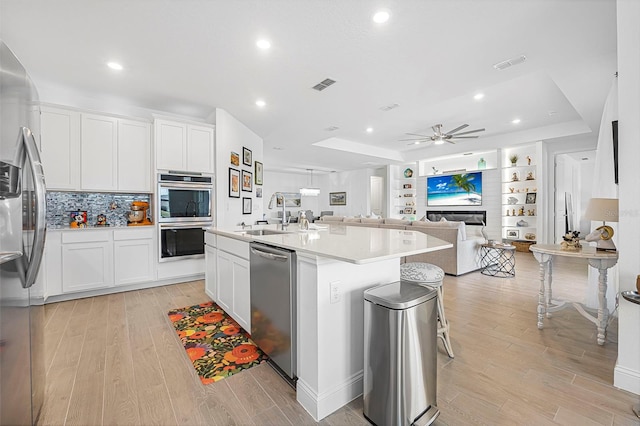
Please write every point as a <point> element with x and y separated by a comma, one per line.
<point>464,189</point>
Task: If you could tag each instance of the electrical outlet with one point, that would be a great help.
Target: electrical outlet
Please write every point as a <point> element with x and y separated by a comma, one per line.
<point>336,295</point>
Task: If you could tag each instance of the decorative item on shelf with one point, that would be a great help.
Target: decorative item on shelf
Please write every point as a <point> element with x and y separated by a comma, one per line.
<point>78,219</point>
<point>531,212</point>
<point>508,212</point>
<point>531,198</point>
<point>513,212</point>
<point>113,205</point>
<point>530,236</point>
<point>408,172</point>
<point>101,220</point>
<point>512,200</point>
<point>408,210</point>
<point>408,195</point>
<point>528,160</point>
<point>515,177</point>
<point>482,164</point>
<point>530,176</point>
<point>406,186</point>
<point>138,214</point>
<point>602,209</point>
<point>521,211</point>
<point>435,171</point>
<point>513,233</point>
<point>410,203</point>
<point>571,241</point>
<point>514,159</point>
<point>511,189</point>
<point>522,223</point>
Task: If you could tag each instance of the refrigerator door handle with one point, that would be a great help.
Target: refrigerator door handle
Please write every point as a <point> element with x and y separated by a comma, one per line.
<point>34,163</point>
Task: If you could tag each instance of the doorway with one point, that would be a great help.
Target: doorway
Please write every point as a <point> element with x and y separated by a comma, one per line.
<point>376,195</point>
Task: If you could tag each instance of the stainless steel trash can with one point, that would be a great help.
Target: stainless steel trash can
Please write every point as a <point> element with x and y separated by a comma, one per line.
<point>400,364</point>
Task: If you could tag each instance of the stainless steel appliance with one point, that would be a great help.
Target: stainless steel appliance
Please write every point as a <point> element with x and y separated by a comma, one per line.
<point>400,358</point>
<point>22,236</point>
<point>273,305</point>
<point>184,197</point>
<point>182,240</point>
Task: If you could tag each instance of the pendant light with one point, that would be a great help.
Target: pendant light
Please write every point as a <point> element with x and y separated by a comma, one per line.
<point>310,191</point>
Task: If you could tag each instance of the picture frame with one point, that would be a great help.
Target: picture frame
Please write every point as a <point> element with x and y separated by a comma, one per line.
<point>235,159</point>
<point>408,210</point>
<point>291,199</point>
<point>513,233</point>
<point>531,198</point>
<point>247,156</point>
<point>247,181</point>
<point>337,198</point>
<point>247,205</point>
<point>234,183</point>
<point>406,186</point>
<point>258,192</point>
<point>258,172</point>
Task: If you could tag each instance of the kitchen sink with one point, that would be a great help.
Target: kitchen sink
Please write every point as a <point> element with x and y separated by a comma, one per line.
<point>263,232</point>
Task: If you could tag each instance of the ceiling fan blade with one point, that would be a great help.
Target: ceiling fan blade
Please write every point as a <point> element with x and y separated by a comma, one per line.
<point>457,129</point>
<point>465,137</point>
<point>428,142</point>
<point>419,139</point>
<point>417,134</point>
<point>470,131</point>
<point>451,141</point>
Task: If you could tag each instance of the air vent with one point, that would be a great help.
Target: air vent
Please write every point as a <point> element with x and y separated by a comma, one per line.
<point>510,62</point>
<point>323,84</point>
<point>389,107</point>
<point>331,128</point>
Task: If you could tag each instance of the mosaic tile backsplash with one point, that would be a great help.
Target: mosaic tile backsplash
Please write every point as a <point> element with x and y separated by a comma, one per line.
<point>60,204</point>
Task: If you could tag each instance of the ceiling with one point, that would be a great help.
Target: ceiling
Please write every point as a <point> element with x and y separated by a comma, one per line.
<point>188,57</point>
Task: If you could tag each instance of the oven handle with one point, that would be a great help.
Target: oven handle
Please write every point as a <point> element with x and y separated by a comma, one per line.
<point>186,225</point>
<point>183,185</point>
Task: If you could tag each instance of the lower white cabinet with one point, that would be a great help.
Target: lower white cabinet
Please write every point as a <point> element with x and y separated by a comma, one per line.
<point>133,255</point>
<point>210,280</point>
<point>233,280</point>
<point>87,260</point>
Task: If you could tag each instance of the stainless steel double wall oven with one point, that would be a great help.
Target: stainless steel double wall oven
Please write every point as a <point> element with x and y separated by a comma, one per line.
<point>185,202</point>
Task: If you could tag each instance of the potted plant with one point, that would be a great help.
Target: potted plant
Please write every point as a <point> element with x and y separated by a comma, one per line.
<point>514,159</point>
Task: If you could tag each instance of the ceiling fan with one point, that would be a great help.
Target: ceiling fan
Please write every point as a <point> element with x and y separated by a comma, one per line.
<point>439,137</point>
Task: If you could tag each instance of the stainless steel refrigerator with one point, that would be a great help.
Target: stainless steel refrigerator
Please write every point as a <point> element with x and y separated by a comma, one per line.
<point>22,235</point>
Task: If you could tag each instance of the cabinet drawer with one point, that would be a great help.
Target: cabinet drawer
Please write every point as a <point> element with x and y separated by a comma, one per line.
<point>86,236</point>
<point>133,234</point>
<point>236,247</point>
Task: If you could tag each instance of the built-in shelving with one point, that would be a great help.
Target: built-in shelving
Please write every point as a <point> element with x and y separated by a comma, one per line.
<point>404,203</point>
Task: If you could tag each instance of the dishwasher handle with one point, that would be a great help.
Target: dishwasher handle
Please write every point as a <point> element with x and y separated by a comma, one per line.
<point>270,256</point>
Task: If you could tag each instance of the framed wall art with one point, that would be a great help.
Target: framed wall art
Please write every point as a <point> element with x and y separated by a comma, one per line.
<point>531,198</point>
<point>258,192</point>
<point>234,183</point>
<point>513,233</point>
<point>258,171</point>
<point>235,158</point>
<point>337,198</point>
<point>247,183</point>
<point>246,205</point>
<point>247,156</point>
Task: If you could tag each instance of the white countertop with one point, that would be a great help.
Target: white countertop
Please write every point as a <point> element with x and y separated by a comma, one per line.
<point>354,244</point>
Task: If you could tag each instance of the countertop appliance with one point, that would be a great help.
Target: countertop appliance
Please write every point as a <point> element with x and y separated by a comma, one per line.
<point>273,305</point>
<point>22,235</point>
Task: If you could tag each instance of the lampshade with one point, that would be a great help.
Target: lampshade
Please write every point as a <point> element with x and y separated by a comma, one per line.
<point>602,209</point>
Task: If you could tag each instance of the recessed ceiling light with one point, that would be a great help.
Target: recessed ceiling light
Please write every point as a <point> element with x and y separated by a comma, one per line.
<point>115,66</point>
<point>416,143</point>
<point>263,44</point>
<point>369,129</point>
<point>261,103</point>
<point>381,17</point>
<point>478,96</point>
<point>516,121</point>
<point>439,142</point>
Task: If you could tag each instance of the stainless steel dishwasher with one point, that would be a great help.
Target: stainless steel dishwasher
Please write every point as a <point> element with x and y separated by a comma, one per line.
<point>273,305</point>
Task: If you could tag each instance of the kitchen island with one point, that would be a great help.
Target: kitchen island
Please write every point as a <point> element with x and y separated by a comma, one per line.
<point>335,264</point>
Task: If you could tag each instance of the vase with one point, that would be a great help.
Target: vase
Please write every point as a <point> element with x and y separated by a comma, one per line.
<point>482,164</point>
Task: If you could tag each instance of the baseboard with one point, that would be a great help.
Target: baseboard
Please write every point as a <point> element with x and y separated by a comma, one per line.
<point>322,405</point>
<point>626,379</point>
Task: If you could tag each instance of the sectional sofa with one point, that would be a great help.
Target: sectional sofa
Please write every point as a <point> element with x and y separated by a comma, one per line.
<point>462,258</point>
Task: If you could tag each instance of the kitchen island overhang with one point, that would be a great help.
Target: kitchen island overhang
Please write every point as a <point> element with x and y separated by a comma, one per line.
<point>335,265</point>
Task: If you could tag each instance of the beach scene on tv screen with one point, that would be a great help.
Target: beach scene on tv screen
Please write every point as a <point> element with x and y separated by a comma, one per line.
<point>463,189</point>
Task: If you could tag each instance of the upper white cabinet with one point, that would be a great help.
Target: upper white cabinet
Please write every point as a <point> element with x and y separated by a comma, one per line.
<point>134,156</point>
<point>60,147</point>
<point>184,147</point>
<point>99,152</point>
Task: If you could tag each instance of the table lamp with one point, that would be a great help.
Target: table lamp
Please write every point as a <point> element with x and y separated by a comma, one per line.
<point>605,210</point>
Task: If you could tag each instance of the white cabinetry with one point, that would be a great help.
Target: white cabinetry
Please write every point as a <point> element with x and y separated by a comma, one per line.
<point>134,156</point>
<point>521,192</point>
<point>186,147</point>
<point>99,153</point>
<point>133,251</point>
<point>233,279</point>
<point>87,260</point>
<point>404,192</point>
<point>211,263</point>
<point>60,147</point>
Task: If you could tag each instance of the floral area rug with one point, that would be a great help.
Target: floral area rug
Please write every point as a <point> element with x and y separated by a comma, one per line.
<point>216,345</point>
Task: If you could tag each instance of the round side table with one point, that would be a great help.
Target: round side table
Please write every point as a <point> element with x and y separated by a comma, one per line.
<point>498,260</point>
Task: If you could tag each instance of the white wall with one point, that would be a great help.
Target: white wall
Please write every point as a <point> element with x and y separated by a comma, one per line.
<point>275,181</point>
<point>232,135</point>
<point>356,184</point>
<point>627,371</point>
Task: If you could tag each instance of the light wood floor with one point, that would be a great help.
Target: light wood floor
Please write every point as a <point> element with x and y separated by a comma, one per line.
<point>116,360</point>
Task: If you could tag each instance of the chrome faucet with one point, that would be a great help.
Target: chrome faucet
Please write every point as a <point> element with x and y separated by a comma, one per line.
<point>280,196</point>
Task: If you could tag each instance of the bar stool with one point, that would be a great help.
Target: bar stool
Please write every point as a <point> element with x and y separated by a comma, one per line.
<point>431,276</point>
